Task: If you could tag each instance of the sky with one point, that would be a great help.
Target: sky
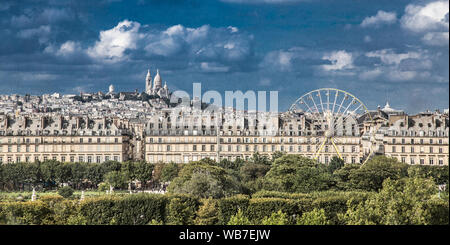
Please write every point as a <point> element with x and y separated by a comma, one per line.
<point>379,51</point>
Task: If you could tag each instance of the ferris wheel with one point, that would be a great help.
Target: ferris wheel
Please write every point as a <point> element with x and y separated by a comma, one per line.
<point>333,116</point>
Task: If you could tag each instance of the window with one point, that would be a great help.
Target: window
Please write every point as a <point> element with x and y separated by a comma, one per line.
<point>422,161</point>
<point>440,150</point>
<point>393,148</point>
<point>431,149</point>
<point>411,161</point>
<point>403,159</point>
<point>89,159</point>
<point>403,149</point>
<point>441,162</point>
<point>194,147</point>
<point>80,159</point>
<point>72,159</point>
<point>212,147</point>
<point>63,159</point>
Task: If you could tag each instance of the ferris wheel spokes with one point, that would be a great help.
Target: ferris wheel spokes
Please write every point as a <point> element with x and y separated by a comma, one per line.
<point>329,118</point>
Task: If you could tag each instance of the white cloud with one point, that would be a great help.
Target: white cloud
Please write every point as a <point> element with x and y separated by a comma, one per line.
<point>389,57</point>
<point>41,32</point>
<point>397,75</point>
<point>51,15</point>
<point>399,67</point>
<point>436,38</point>
<point>371,74</point>
<point>203,43</point>
<point>430,20</point>
<point>115,42</point>
<point>36,16</point>
<point>68,48</point>
<point>232,29</point>
<point>380,18</point>
<point>213,67</point>
<point>206,48</point>
<point>340,60</point>
<point>426,18</point>
<point>280,59</point>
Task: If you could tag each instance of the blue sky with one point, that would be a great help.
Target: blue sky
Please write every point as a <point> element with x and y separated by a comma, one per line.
<point>377,50</point>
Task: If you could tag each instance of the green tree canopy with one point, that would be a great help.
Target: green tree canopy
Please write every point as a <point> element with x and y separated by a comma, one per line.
<point>169,172</point>
<point>116,179</point>
<point>408,201</point>
<point>371,175</point>
<point>336,163</point>
<point>294,173</point>
<point>204,180</point>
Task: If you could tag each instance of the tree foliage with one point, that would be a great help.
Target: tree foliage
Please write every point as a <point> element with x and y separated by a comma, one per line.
<point>408,201</point>
<point>293,173</point>
<point>314,217</point>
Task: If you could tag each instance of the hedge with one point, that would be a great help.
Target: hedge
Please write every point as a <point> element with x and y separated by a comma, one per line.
<point>230,206</point>
<point>136,209</point>
<point>181,209</point>
<point>277,194</point>
<point>26,213</point>
<point>260,208</point>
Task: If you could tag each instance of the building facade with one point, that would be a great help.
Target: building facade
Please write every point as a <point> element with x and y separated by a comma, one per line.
<point>130,126</point>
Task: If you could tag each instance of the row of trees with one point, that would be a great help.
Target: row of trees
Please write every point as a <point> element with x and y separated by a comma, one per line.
<point>207,178</point>
<point>295,174</point>
<point>51,174</point>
